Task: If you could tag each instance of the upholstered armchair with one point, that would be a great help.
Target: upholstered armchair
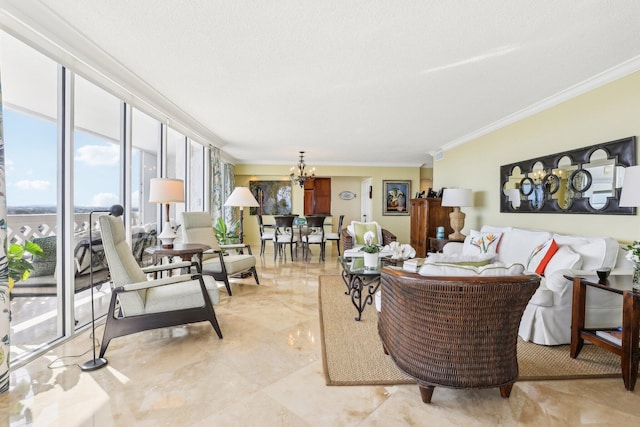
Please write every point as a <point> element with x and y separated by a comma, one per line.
<point>197,227</point>
<point>352,238</point>
<point>455,332</point>
<point>139,304</point>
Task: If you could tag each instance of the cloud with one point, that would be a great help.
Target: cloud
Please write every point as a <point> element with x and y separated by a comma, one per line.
<point>104,199</point>
<point>95,155</point>
<point>38,185</point>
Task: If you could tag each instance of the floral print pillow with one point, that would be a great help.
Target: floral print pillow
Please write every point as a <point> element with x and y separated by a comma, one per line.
<point>481,243</point>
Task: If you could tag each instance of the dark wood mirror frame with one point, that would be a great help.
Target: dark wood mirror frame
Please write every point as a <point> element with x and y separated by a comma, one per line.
<point>622,152</point>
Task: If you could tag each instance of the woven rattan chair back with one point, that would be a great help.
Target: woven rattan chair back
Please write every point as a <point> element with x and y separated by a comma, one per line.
<point>456,332</point>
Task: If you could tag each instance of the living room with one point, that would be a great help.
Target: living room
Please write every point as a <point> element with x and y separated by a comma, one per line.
<point>268,369</point>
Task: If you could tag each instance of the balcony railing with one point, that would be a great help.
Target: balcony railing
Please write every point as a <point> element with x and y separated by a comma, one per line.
<point>29,226</point>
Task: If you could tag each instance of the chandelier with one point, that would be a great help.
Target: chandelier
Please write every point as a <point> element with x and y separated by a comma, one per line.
<point>298,173</point>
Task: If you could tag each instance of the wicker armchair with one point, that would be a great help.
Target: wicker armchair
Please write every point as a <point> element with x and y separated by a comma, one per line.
<point>347,240</point>
<point>455,332</point>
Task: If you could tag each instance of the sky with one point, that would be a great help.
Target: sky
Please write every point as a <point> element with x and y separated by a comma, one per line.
<point>31,165</point>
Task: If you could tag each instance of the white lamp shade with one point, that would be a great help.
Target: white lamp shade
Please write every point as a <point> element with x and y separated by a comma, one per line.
<point>166,190</point>
<point>457,197</point>
<point>630,195</point>
<point>241,197</point>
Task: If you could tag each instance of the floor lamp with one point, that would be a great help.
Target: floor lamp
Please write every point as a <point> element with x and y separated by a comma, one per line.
<point>96,363</point>
<point>239,198</point>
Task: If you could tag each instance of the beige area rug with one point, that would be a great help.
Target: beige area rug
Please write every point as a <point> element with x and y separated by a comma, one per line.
<point>352,352</point>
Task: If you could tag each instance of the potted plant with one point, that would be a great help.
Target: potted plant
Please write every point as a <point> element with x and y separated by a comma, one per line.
<point>370,250</point>
<point>226,235</point>
<point>20,266</point>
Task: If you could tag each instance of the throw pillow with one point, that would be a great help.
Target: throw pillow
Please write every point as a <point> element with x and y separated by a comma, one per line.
<point>481,243</point>
<point>359,228</point>
<point>44,265</point>
<point>565,259</point>
<point>541,255</point>
<point>461,259</point>
<point>495,269</point>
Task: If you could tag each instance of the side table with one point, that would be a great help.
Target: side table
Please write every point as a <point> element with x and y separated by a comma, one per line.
<point>436,245</point>
<point>628,350</point>
<point>183,250</point>
<point>357,279</point>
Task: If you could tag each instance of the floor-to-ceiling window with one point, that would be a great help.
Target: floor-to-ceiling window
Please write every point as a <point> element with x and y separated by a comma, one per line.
<point>51,175</point>
<point>146,136</point>
<point>196,174</point>
<point>96,187</point>
<point>30,84</point>
<point>176,167</point>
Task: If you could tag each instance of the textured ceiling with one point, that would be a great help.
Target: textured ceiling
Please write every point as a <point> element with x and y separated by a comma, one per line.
<point>350,82</point>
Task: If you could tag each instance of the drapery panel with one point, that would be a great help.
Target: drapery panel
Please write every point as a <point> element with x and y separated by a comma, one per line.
<point>216,183</point>
<point>230,214</point>
<point>5,307</point>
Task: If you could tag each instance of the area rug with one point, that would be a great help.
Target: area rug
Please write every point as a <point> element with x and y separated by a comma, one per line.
<point>352,352</point>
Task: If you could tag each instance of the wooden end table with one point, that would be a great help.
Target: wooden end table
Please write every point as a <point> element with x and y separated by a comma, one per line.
<point>436,245</point>
<point>628,350</point>
<point>186,251</point>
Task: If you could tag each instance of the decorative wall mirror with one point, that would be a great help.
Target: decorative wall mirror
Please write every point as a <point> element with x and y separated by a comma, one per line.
<point>586,180</point>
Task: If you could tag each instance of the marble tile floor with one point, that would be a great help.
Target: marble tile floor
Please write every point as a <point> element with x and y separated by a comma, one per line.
<point>267,371</point>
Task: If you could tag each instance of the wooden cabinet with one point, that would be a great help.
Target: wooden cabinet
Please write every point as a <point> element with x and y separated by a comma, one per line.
<point>317,196</point>
<point>426,215</point>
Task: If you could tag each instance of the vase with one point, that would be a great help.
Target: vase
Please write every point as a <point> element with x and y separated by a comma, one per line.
<point>636,277</point>
<point>370,261</point>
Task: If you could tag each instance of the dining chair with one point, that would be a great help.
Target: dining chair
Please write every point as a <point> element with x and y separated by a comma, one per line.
<point>284,234</point>
<point>313,234</point>
<point>266,233</point>
<point>336,236</point>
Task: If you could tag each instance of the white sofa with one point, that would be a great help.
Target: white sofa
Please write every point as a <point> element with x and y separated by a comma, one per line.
<point>547,317</point>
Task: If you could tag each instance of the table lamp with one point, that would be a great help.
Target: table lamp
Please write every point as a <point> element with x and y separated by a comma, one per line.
<point>167,191</point>
<point>239,198</point>
<point>456,198</point>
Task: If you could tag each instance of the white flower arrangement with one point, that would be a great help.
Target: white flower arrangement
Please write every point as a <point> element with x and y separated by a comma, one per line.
<point>633,252</point>
<point>369,247</point>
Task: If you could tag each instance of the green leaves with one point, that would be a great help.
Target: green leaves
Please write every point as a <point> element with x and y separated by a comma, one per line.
<point>19,265</point>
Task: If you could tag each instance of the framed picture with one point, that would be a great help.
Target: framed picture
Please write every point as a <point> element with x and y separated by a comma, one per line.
<point>395,197</point>
<point>274,197</point>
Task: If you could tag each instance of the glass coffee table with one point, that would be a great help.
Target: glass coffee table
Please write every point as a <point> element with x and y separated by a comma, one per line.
<point>361,283</point>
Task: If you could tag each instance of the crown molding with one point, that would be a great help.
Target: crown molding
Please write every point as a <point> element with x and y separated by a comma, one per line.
<point>624,69</point>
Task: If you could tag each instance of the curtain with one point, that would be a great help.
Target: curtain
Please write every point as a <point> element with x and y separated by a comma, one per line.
<point>5,306</point>
<point>230,214</point>
<point>216,184</point>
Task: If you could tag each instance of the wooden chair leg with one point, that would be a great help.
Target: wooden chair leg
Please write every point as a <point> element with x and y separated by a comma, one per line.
<point>505,390</point>
<point>426,392</point>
